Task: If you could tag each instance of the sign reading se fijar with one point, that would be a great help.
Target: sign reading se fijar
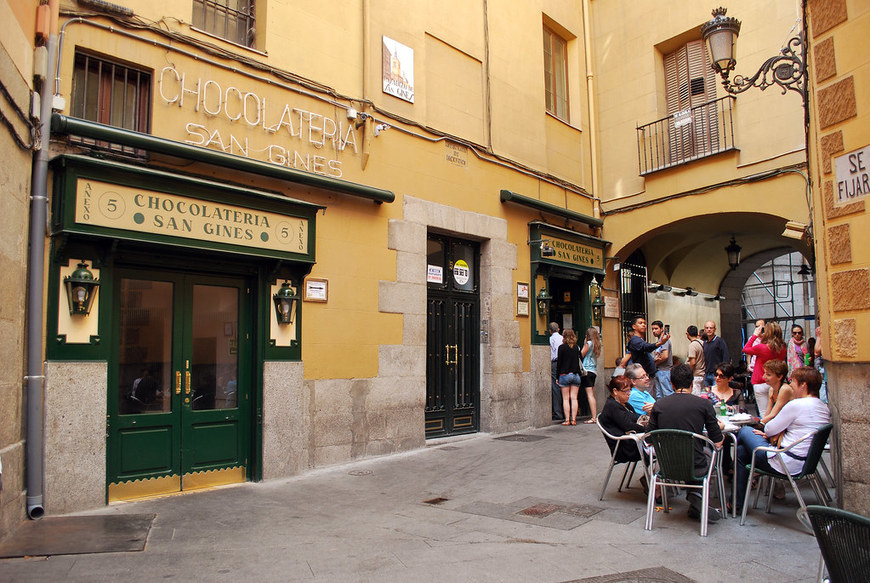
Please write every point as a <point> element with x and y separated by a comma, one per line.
<point>131,209</point>
<point>853,175</point>
<point>577,253</point>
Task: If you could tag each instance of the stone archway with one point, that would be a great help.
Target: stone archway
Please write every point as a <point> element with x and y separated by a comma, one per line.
<point>732,289</point>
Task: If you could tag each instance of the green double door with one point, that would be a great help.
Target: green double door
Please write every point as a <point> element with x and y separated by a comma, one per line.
<point>180,383</point>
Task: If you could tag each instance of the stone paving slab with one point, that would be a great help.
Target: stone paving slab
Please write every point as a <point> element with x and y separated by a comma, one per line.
<point>509,511</point>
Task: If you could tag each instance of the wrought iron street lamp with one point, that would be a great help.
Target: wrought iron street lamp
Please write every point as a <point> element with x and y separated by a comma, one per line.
<point>733,251</point>
<point>787,70</point>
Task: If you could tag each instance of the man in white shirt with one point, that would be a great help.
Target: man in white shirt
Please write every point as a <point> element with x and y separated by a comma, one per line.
<point>802,415</point>
<point>555,342</point>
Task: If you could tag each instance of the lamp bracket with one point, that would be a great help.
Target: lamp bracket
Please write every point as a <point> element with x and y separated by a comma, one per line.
<point>788,70</point>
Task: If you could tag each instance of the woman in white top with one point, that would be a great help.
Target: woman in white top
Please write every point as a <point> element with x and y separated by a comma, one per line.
<point>590,352</point>
<point>800,416</point>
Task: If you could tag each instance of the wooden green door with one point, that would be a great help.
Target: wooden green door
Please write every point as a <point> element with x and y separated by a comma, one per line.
<point>179,383</point>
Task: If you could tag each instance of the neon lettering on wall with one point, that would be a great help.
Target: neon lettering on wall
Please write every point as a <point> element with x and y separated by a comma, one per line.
<point>289,133</point>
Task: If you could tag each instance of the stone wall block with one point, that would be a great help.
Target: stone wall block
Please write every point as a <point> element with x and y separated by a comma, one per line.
<point>840,244</point>
<point>850,290</point>
<point>504,333</point>
<point>407,394</point>
<point>406,236</point>
<point>826,14</point>
<point>414,330</point>
<point>331,455</point>
<point>857,498</point>
<point>402,298</point>
<point>331,395</point>
<point>830,145</point>
<point>75,436</point>
<point>399,360</point>
<point>853,443</point>
<point>333,429</point>
<point>503,254</point>
<point>837,102</point>
<point>845,341</point>
<point>286,422</point>
<point>506,359</point>
<point>410,267</point>
<point>826,64</point>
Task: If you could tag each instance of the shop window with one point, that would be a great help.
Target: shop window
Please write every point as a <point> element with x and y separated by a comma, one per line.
<point>232,20</point>
<point>556,73</point>
<point>110,93</point>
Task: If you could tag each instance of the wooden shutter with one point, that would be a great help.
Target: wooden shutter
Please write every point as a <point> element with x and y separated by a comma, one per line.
<point>691,83</point>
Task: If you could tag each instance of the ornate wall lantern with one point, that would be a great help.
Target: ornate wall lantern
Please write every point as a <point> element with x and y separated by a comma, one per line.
<point>543,299</point>
<point>81,290</point>
<point>285,304</point>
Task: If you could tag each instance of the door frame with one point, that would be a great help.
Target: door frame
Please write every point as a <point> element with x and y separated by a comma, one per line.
<point>184,281</point>
<point>436,424</point>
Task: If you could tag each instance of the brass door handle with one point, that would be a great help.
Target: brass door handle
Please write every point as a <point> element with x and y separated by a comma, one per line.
<point>178,382</point>
<point>187,382</point>
<point>455,348</point>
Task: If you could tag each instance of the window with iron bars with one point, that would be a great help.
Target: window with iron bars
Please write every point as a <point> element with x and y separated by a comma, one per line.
<point>110,93</point>
<point>232,20</point>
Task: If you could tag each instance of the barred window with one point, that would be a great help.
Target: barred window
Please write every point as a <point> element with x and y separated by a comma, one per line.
<point>113,94</point>
<point>232,20</point>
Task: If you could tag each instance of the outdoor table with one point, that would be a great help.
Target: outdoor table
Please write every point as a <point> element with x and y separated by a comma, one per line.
<point>730,429</point>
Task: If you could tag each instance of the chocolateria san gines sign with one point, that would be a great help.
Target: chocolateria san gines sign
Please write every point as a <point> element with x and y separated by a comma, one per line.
<point>240,121</point>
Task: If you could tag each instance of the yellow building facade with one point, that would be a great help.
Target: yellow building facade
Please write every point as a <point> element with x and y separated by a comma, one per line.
<point>287,236</point>
<point>839,138</point>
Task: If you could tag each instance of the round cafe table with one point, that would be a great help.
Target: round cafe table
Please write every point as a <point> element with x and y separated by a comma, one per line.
<point>732,427</point>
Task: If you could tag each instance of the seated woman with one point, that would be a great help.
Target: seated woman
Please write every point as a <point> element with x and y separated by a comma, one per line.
<point>775,372</point>
<point>722,389</point>
<point>805,413</point>
<point>618,418</point>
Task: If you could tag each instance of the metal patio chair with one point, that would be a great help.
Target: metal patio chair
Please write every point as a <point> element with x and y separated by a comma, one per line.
<point>844,541</point>
<point>675,466</point>
<point>819,438</point>
<point>629,440</point>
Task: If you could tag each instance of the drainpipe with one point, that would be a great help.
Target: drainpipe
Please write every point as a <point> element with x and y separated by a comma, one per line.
<point>590,96</point>
<point>34,460</point>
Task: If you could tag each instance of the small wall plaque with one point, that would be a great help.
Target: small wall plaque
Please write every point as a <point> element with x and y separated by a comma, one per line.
<point>316,289</point>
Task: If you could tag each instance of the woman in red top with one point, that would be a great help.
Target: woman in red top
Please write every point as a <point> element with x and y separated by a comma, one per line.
<point>771,346</point>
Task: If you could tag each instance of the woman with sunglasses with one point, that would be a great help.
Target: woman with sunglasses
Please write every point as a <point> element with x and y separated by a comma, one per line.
<point>722,389</point>
<point>618,418</point>
<point>796,349</point>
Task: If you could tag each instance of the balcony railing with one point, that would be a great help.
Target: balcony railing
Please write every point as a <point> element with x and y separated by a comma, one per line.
<point>686,135</point>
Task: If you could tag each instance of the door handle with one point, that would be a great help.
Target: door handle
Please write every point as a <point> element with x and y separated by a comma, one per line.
<point>455,348</point>
<point>187,382</point>
<point>178,382</point>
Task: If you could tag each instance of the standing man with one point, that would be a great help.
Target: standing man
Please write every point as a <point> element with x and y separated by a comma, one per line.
<point>696,360</point>
<point>715,352</point>
<point>664,360</point>
<point>640,349</point>
<point>555,342</point>
<point>684,411</point>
